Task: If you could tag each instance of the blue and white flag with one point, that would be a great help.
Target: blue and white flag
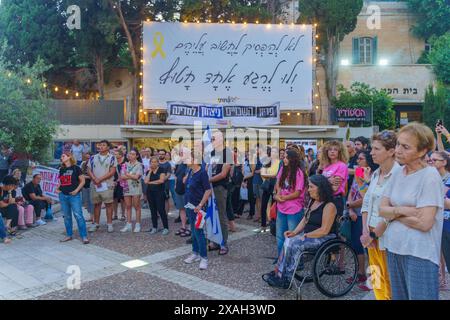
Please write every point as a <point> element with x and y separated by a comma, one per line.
<point>212,222</point>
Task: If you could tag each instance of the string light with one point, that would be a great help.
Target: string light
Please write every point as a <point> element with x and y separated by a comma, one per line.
<point>140,73</point>
<point>56,89</point>
<point>28,80</point>
<point>67,91</point>
<point>44,85</point>
<point>289,114</point>
<point>317,107</point>
<point>157,112</point>
<point>298,113</point>
<point>140,110</point>
<point>316,95</point>
<point>257,22</point>
<point>77,94</point>
<point>140,87</point>
<point>318,83</point>
<point>317,36</point>
<point>148,19</point>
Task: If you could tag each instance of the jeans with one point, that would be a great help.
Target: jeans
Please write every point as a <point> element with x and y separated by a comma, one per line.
<point>412,278</point>
<point>198,236</point>
<point>72,204</point>
<point>286,222</point>
<point>2,228</point>
<point>39,205</point>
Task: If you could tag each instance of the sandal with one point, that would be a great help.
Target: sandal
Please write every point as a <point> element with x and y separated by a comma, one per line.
<point>266,276</point>
<point>213,247</point>
<point>180,231</point>
<point>66,239</point>
<point>186,233</point>
<point>85,241</point>
<point>223,251</point>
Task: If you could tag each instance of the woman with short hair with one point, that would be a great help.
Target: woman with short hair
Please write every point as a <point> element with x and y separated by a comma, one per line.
<point>383,154</point>
<point>413,204</point>
<point>441,161</point>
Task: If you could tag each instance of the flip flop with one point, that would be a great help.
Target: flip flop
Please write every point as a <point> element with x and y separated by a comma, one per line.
<point>223,251</point>
<point>186,233</point>
<point>180,231</point>
<point>66,239</point>
<point>213,247</point>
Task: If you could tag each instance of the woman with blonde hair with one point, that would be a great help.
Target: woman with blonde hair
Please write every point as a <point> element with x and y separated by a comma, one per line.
<point>333,161</point>
<point>413,204</point>
<point>71,181</point>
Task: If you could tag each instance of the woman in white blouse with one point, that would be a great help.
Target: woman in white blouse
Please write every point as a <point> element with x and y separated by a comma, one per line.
<point>383,152</point>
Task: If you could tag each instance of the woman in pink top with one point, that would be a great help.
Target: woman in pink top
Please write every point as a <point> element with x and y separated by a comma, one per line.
<point>333,160</point>
<point>290,195</point>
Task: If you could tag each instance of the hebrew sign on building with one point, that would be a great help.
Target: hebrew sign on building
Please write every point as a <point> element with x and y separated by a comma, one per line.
<point>232,64</point>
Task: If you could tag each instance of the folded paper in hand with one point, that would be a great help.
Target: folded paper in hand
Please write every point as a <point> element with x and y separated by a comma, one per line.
<point>103,187</point>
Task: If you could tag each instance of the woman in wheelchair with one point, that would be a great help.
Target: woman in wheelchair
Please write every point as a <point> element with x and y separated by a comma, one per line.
<point>316,227</point>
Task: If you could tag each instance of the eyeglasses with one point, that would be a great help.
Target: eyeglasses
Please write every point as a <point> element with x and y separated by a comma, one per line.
<point>435,160</point>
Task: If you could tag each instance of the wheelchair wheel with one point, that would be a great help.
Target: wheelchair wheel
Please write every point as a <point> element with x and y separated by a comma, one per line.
<point>335,269</point>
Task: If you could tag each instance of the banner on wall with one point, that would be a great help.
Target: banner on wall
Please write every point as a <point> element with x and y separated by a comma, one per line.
<point>213,114</point>
<point>242,64</point>
<point>49,181</point>
<point>303,142</point>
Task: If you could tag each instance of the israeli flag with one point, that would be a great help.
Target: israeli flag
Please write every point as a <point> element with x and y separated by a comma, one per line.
<point>212,222</point>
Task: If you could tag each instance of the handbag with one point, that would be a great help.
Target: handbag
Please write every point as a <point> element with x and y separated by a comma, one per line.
<point>244,193</point>
<point>345,226</point>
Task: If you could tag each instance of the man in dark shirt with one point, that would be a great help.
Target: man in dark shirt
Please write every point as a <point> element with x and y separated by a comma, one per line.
<point>8,206</point>
<point>220,162</point>
<point>167,168</point>
<point>32,192</point>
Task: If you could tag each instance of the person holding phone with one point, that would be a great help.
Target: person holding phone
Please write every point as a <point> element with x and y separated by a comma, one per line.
<point>354,203</point>
<point>441,131</point>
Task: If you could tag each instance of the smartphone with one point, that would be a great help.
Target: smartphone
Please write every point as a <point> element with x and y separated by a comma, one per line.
<point>439,122</point>
<point>359,172</point>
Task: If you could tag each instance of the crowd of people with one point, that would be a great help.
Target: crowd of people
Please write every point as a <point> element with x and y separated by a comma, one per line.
<point>393,187</point>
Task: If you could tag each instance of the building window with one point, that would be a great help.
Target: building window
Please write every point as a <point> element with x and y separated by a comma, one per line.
<point>427,47</point>
<point>365,50</point>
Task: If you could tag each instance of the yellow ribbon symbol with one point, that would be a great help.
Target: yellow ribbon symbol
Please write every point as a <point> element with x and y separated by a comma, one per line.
<point>158,41</point>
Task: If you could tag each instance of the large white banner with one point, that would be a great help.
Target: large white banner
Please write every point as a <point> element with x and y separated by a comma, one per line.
<point>214,114</point>
<point>242,64</point>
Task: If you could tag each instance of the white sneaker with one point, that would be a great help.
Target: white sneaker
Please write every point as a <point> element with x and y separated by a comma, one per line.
<point>192,258</point>
<point>137,227</point>
<point>110,228</point>
<point>41,222</point>
<point>127,228</point>
<point>93,227</point>
<point>165,232</point>
<point>203,264</point>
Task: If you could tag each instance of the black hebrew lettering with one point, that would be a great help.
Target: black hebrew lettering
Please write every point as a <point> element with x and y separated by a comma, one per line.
<point>174,76</point>
<point>266,112</point>
<point>259,48</point>
<point>255,78</point>
<point>219,78</point>
<point>291,77</point>
<point>187,46</point>
<point>293,46</point>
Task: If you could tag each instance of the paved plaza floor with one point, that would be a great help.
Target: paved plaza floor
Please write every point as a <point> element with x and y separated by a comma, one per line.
<point>141,266</point>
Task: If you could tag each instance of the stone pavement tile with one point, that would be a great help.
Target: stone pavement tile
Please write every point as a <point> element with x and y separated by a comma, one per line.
<point>128,285</point>
<point>242,268</point>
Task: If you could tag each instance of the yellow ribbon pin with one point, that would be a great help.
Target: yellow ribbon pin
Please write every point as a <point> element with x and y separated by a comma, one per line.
<point>158,41</point>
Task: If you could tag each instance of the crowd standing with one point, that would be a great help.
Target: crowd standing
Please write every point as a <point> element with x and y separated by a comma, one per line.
<point>394,187</point>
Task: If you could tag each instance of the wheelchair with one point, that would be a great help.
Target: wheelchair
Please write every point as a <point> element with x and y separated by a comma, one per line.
<point>332,267</point>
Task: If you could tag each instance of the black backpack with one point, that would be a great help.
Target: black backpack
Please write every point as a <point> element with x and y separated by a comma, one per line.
<point>237,177</point>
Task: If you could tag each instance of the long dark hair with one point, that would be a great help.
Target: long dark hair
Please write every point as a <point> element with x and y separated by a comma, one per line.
<point>138,155</point>
<point>373,166</point>
<point>291,170</point>
<point>324,186</point>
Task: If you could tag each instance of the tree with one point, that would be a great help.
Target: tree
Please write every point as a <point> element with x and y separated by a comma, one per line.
<point>335,19</point>
<point>439,56</point>
<point>25,120</point>
<point>98,41</point>
<point>436,106</point>
<point>362,95</point>
<point>22,26</point>
<point>433,17</point>
<point>227,11</point>
<point>131,14</point>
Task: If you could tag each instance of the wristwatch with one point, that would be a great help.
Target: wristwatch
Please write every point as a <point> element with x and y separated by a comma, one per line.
<point>373,235</point>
